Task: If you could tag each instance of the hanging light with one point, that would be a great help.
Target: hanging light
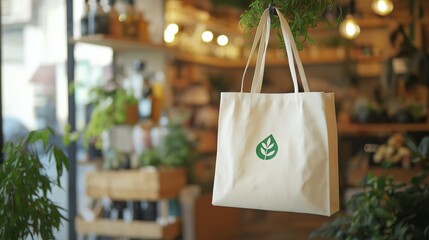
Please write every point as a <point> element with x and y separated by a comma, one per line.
<point>222,40</point>
<point>349,28</point>
<point>169,38</point>
<point>172,29</point>
<point>382,7</point>
<point>207,36</point>
<point>170,32</point>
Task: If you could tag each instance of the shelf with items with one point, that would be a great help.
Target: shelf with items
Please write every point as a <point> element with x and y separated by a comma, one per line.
<point>380,128</point>
<point>145,184</point>
<point>134,229</point>
<point>372,22</point>
<point>400,174</point>
<point>241,63</point>
<point>188,15</point>
<point>142,184</point>
<point>121,44</point>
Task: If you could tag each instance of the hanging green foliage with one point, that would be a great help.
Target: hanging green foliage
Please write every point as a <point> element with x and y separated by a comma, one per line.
<point>301,15</point>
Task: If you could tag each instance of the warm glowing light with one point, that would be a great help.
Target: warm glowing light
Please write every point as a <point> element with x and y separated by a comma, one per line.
<point>170,32</point>
<point>349,28</point>
<point>207,36</point>
<point>382,7</point>
<point>122,17</point>
<point>172,28</point>
<point>222,40</point>
<point>168,37</point>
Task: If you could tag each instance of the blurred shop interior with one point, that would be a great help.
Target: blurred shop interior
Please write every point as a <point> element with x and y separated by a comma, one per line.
<point>132,89</point>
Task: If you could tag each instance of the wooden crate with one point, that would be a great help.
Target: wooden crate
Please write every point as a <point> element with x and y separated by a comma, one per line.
<point>141,184</point>
<point>134,229</point>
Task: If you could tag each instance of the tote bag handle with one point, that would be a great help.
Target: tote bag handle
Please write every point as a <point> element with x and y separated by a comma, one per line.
<point>262,35</point>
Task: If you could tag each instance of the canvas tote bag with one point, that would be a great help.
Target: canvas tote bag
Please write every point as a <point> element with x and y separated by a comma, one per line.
<point>277,151</point>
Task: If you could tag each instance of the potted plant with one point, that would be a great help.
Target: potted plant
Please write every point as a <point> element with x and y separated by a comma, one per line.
<point>387,209</point>
<point>25,209</point>
<point>175,150</point>
<point>114,111</point>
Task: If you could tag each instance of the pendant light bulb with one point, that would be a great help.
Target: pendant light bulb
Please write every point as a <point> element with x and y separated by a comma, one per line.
<point>207,36</point>
<point>349,28</point>
<point>382,7</point>
<point>222,40</point>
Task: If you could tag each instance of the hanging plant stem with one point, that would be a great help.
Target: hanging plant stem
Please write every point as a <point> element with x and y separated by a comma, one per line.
<point>301,15</point>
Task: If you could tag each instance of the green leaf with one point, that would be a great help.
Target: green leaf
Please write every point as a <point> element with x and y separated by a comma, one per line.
<point>424,147</point>
<point>411,144</point>
<point>267,149</point>
<point>42,135</point>
<point>61,157</point>
<point>381,182</point>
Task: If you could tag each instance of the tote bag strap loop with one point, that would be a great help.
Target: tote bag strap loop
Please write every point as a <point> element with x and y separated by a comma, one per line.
<point>262,34</point>
<point>287,34</point>
<point>260,60</point>
<point>259,32</point>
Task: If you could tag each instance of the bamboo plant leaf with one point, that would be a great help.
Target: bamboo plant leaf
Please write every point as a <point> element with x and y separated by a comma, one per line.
<point>26,210</point>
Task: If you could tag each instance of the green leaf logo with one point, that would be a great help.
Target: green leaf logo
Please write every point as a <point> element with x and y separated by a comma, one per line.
<point>267,149</point>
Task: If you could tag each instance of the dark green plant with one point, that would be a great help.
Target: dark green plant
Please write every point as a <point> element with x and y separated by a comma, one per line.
<point>420,151</point>
<point>150,157</point>
<point>176,150</point>
<point>115,160</point>
<point>386,209</point>
<point>25,209</point>
<point>301,15</point>
<point>241,4</point>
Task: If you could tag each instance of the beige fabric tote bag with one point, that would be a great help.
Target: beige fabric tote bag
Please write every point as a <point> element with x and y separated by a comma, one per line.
<point>277,151</point>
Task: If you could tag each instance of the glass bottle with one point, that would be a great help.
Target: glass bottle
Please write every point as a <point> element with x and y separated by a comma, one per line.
<point>129,20</point>
<point>157,96</point>
<point>142,28</point>
<point>97,19</point>
<point>84,19</point>
<point>137,78</point>
<point>115,27</point>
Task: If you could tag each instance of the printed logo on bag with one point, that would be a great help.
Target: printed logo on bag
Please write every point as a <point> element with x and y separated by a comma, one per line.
<point>267,149</point>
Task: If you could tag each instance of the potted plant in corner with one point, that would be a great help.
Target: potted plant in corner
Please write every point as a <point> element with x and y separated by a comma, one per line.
<point>386,209</point>
<point>25,209</point>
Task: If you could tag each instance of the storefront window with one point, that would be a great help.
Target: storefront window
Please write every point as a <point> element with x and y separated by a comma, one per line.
<point>34,80</point>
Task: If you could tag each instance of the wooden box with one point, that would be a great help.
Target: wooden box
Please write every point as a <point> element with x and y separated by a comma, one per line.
<point>142,184</point>
<point>134,229</point>
<point>214,222</point>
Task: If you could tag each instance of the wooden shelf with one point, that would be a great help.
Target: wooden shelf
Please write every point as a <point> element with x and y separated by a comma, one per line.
<point>118,43</point>
<point>129,44</point>
<point>380,22</point>
<point>399,174</point>
<point>134,229</point>
<point>367,59</point>
<point>187,15</point>
<point>141,184</point>
<point>380,128</point>
<point>241,63</point>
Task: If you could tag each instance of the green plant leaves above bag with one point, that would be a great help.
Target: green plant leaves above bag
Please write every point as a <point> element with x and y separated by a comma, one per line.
<point>267,149</point>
